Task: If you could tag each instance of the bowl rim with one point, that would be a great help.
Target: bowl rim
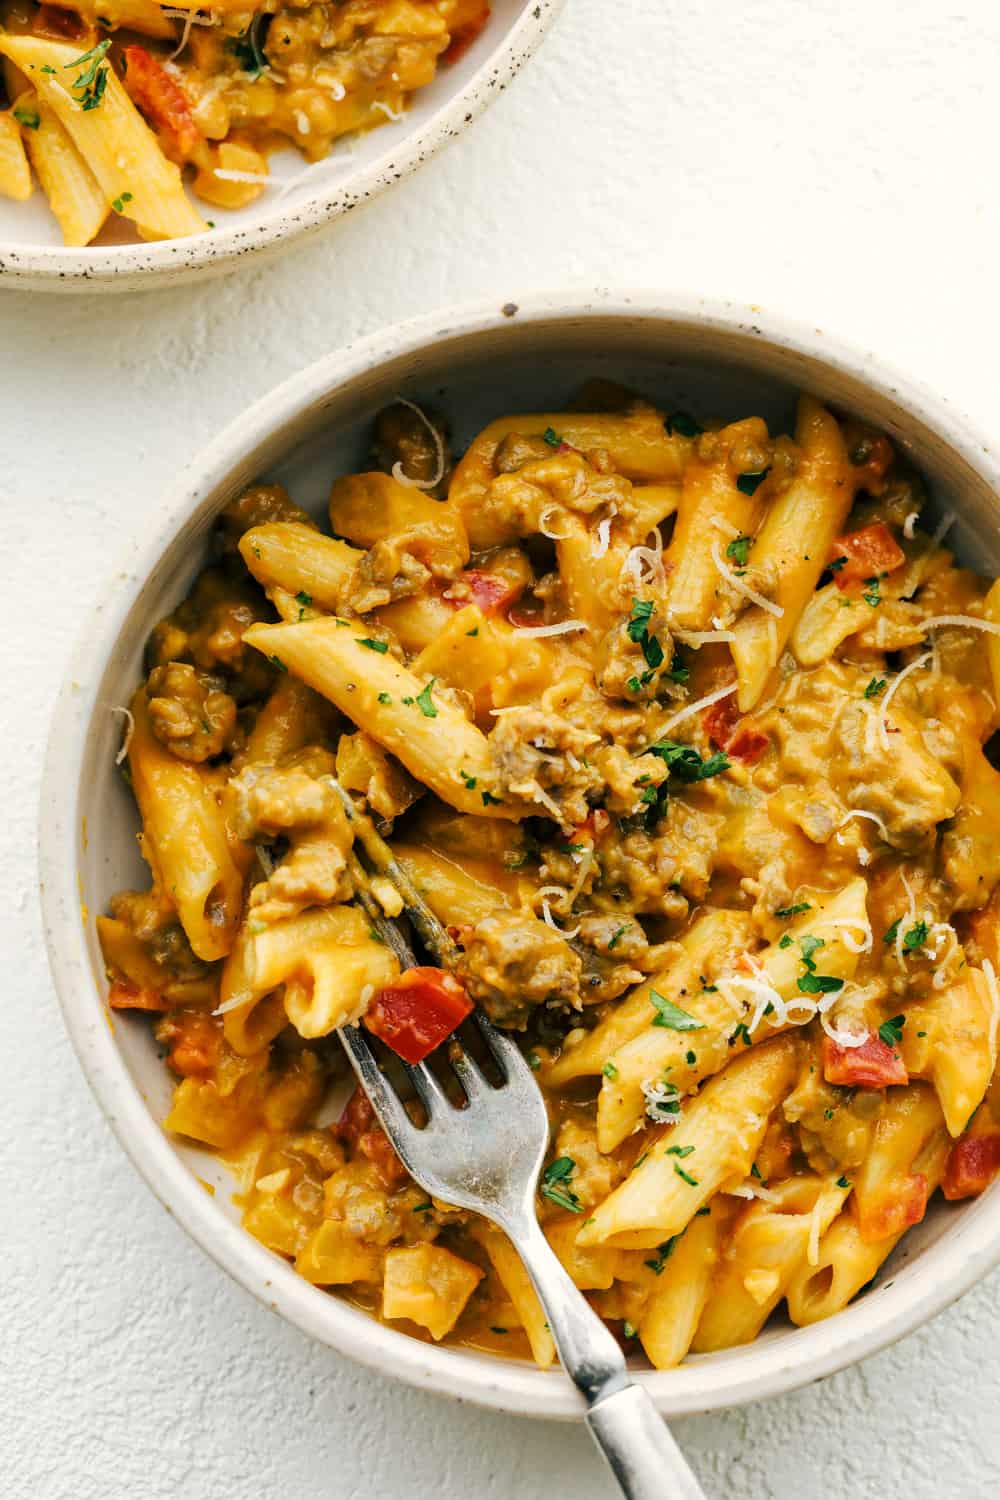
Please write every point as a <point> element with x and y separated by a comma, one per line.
<point>142,266</point>
<point>967,1250</point>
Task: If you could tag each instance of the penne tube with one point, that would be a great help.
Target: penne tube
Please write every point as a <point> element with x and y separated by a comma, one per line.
<point>771,1240</point>
<point>889,1193</point>
<point>708,943</point>
<point>293,717</point>
<point>15,173</point>
<point>951,1040</point>
<point>110,134</point>
<point>77,203</point>
<point>684,1058</point>
<point>517,1284</point>
<point>300,560</point>
<point>186,839</point>
<point>455,897</point>
<point>636,441</point>
<point>712,512</point>
<point>846,1262</point>
<point>675,1305</point>
<point>715,1140</point>
<point>793,546</point>
<point>435,741</point>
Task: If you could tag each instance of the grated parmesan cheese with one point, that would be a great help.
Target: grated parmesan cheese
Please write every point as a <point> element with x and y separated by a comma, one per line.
<point>129,731</point>
<point>897,682</point>
<point>935,622</point>
<point>697,638</point>
<point>389,113</point>
<point>235,174</point>
<point>603,538</point>
<point>697,706</point>
<point>563,627</point>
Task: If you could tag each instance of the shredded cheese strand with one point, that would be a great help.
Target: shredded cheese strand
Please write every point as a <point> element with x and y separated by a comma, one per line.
<point>563,627</point>
<point>936,622</point>
<point>129,731</point>
<point>893,689</point>
<point>737,583</point>
<point>697,706</point>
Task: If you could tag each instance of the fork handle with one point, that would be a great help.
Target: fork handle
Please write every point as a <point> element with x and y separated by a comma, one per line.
<point>639,1448</point>
<point>622,1419</point>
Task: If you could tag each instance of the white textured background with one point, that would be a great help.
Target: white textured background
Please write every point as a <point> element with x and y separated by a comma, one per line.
<point>834,159</point>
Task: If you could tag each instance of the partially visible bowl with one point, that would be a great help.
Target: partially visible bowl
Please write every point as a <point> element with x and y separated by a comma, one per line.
<point>475,364</point>
<point>33,256</point>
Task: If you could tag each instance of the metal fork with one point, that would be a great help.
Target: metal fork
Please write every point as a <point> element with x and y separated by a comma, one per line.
<point>486,1156</point>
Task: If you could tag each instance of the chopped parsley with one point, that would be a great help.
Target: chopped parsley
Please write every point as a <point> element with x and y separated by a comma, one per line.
<point>380,646</point>
<point>703,1211</point>
<point>497,1329</point>
<point>748,484</point>
<point>277,662</point>
<point>385,697</point>
<point>616,936</point>
<point>534,1061</point>
<point>663,1254</point>
<point>679,1150</point>
<point>670,1016</point>
<point>552,437</point>
<point>29,118</point>
<point>793,911</point>
<point>470,781</point>
<point>891,1032</point>
<point>810,982</point>
<point>743,1031</point>
<point>685,762</point>
<point>301,597</point>
<point>629,1330</point>
<point>889,936</point>
<point>610,1071</point>
<point>638,631</point>
<point>739,550</point>
<point>423,1208</point>
<point>682,423</point>
<point>555,1184</point>
<point>690,1058</point>
<point>876,686</point>
<point>473,631</point>
<point>785,941</point>
<point>842,1182</point>
<point>88,88</point>
<point>916,937</point>
<point>426,705</point>
<point>685,1176</point>
<point>489,800</point>
<point>870,593</point>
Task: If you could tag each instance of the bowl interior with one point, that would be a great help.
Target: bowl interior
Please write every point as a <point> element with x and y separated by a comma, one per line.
<point>311,431</point>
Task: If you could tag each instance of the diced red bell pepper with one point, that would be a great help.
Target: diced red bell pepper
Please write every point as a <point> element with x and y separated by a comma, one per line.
<point>738,737</point>
<point>357,1128</point>
<point>867,553</point>
<point>416,1013</point>
<point>194,1041</point>
<point>164,103</point>
<point>873,1065</point>
<point>464,36</point>
<point>906,1206</point>
<point>490,591</point>
<point>973,1162</point>
<point>125,996</point>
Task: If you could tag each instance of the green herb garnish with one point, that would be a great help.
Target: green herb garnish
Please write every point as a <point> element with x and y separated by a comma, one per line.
<point>891,1032</point>
<point>685,762</point>
<point>610,1071</point>
<point>748,484</point>
<point>671,1016</point>
<point>380,646</point>
<point>555,1184</point>
<point>793,911</point>
<point>425,702</point>
<point>739,550</point>
<point>876,686</point>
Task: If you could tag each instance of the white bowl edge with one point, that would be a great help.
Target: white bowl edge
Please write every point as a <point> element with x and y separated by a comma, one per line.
<point>141,267</point>
<point>940,1274</point>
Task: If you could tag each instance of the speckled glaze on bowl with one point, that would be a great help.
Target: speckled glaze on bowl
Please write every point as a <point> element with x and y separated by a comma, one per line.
<point>710,358</point>
<point>33,257</point>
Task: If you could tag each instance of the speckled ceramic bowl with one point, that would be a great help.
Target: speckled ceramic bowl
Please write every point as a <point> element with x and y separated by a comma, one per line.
<point>32,253</point>
<point>476,364</point>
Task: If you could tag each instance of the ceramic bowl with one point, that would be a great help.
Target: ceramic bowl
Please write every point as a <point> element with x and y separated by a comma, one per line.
<point>477,363</point>
<point>32,254</point>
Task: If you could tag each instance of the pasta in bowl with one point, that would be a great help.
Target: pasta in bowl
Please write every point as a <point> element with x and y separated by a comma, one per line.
<point>140,123</point>
<point>704,813</point>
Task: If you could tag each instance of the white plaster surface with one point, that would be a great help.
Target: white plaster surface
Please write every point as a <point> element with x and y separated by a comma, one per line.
<point>833,159</point>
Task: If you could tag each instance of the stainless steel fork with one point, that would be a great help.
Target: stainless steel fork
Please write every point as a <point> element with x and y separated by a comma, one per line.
<point>486,1157</point>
